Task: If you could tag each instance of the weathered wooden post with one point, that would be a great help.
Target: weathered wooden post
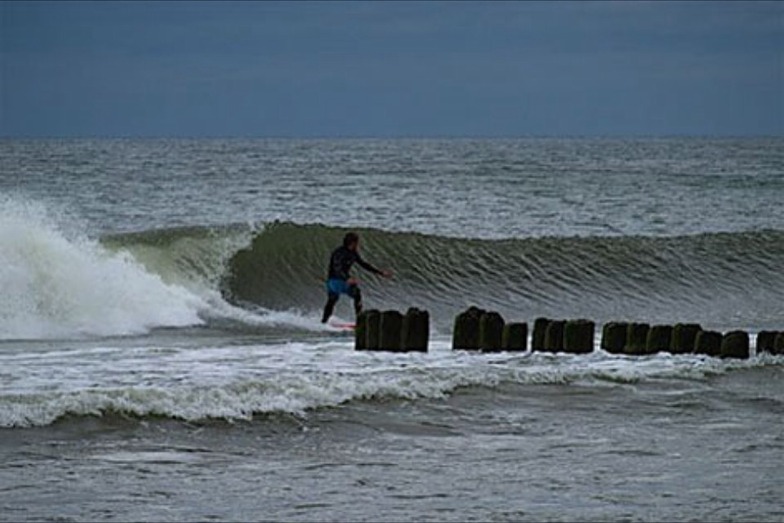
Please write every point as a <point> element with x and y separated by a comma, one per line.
<point>373,329</point>
<point>491,330</point>
<point>636,338</point>
<point>416,330</point>
<point>515,337</point>
<point>554,336</point>
<point>659,339</point>
<point>466,330</point>
<point>614,337</point>
<point>540,329</point>
<point>391,326</point>
<point>735,344</point>
<point>778,344</point>
<point>766,341</point>
<point>578,336</point>
<point>684,336</point>
<point>360,332</point>
<point>708,343</point>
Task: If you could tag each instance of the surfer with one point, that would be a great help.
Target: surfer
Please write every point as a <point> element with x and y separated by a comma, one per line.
<point>338,279</point>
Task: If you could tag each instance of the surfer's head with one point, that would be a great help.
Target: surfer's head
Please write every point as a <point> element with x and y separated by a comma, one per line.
<point>351,241</point>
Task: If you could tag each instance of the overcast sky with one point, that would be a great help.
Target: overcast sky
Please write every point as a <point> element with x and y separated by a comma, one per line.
<point>391,69</point>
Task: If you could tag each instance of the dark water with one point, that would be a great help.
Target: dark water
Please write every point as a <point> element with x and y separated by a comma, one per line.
<point>663,450</point>
<point>162,357</point>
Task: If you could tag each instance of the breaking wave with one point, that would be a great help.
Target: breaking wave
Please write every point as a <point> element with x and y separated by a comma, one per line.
<point>61,285</point>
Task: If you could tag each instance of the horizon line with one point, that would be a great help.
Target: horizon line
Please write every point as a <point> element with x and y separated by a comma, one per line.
<point>386,137</point>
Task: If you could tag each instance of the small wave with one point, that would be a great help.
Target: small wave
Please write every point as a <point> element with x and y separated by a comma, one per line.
<point>300,392</point>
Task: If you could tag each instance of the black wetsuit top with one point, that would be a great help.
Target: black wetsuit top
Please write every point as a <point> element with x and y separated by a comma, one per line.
<point>341,261</point>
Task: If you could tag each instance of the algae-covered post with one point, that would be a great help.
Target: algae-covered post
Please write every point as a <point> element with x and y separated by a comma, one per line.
<point>373,329</point>
<point>515,337</point>
<point>360,332</point>
<point>708,343</point>
<point>778,344</point>
<point>540,328</point>
<point>684,336</point>
<point>416,330</point>
<point>466,329</point>
<point>614,337</point>
<point>553,336</point>
<point>636,338</point>
<point>659,339</point>
<point>766,341</point>
<point>491,330</point>
<point>391,326</point>
<point>578,336</point>
<point>735,344</point>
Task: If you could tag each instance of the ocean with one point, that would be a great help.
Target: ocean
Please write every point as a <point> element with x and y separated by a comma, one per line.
<point>162,358</point>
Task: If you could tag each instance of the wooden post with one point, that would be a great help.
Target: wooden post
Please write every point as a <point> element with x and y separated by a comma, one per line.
<point>659,339</point>
<point>684,336</point>
<point>578,336</point>
<point>708,343</point>
<point>614,337</point>
<point>491,330</point>
<point>766,341</point>
<point>391,327</point>
<point>515,337</point>
<point>636,338</point>
<point>554,336</point>
<point>373,329</point>
<point>735,344</point>
<point>466,329</point>
<point>540,329</point>
<point>416,330</point>
<point>360,332</point>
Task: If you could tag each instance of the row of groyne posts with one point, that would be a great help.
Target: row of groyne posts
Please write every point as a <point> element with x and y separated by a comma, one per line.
<point>478,329</point>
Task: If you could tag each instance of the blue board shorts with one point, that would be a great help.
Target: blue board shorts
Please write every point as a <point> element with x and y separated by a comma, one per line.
<point>336,286</point>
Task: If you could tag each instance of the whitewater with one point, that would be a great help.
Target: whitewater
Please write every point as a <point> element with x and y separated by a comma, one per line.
<point>161,355</point>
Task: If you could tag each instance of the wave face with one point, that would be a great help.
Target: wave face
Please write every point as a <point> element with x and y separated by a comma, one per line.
<point>726,279</point>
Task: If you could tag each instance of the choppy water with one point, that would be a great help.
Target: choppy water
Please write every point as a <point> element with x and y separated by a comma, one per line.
<point>148,371</point>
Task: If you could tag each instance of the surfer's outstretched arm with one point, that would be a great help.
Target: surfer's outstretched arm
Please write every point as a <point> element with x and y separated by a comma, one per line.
<point>368,267</point>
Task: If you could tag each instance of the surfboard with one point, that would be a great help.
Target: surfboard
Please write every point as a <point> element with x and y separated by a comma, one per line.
<point>343,326</point>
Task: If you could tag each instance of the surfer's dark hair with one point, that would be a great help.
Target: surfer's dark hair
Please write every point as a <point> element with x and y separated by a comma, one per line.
<point>350,238</point>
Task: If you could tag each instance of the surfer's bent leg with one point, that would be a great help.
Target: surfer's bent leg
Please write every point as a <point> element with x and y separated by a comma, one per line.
<point>356,295</point>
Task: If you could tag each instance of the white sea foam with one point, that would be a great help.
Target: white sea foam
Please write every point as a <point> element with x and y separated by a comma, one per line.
<point>55,285</point>
<point>60,284</point>
<point>236,383</point>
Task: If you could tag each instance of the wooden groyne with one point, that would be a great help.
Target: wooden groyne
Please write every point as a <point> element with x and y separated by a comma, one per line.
<point>392,331</point>
<point>477,329</point>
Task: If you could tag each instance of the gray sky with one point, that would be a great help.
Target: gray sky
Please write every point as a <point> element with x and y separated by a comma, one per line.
<point>391,69</point>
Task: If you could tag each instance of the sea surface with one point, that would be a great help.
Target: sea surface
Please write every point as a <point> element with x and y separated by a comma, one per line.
<point>162,359</point>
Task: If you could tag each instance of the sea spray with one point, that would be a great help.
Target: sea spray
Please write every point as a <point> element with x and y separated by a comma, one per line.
<point>61,285</point>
